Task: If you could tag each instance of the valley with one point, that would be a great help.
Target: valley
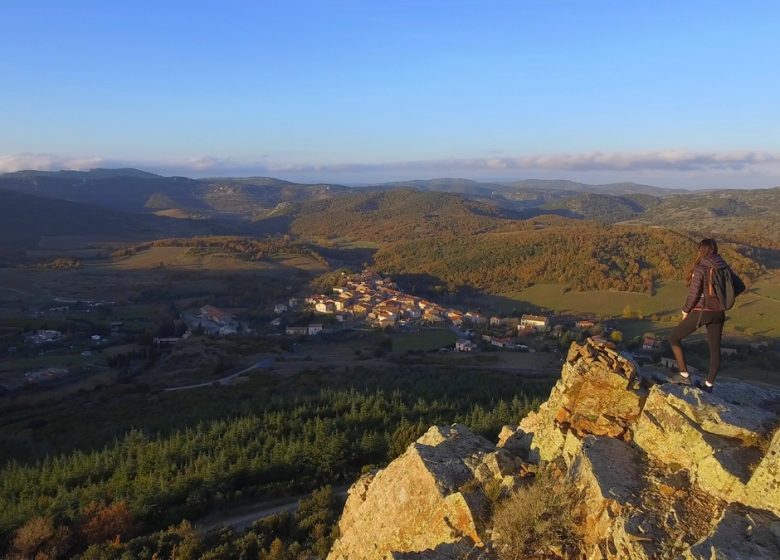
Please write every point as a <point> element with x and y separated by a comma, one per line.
<point>189,347</point>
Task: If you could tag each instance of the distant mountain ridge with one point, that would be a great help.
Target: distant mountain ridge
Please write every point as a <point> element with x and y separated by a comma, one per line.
<point>270,205</point>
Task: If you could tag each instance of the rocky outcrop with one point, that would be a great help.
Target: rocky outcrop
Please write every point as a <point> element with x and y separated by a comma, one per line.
<point>429,499</point>
<point>661,471</point>
<point>598,394</point>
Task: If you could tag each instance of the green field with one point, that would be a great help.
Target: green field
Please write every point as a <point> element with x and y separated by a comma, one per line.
<point>183,258</point>
<point>755,314</point>
<point>424,340</point>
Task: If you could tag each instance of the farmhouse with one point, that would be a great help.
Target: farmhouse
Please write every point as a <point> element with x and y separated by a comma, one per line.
<point>536,321</point>
<point>503,342</point>
<point>216,315</point>
<point>297,331</point>
<point>43,336</point>
<point>464,345</point>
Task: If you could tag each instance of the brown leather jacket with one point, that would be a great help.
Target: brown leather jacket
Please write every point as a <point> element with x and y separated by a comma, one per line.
<point>700,297</point>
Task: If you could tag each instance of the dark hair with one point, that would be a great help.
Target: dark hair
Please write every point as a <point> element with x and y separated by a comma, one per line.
<point>707,247</point>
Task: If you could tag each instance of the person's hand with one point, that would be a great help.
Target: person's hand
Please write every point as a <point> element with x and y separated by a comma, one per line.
<point>685,314</point>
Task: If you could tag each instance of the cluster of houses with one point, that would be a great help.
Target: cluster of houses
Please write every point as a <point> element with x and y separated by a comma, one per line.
<point>369,298</point>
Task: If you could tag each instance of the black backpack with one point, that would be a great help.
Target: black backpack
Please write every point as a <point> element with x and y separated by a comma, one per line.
<point>725,285</point>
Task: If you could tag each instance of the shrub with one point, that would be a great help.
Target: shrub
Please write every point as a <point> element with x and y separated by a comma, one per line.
<point>535,519</point>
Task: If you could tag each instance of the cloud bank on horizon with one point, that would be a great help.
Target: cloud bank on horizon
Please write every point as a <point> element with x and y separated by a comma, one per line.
<point>680,161</point>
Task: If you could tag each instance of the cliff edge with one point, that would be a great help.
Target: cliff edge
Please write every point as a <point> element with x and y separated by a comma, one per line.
<point>658,470</point>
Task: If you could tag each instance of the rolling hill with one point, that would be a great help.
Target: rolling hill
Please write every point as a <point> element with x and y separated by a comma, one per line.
<point>25,218</point>
<point>398,214</point>
<point>132,190</point>
<point>749,216</point>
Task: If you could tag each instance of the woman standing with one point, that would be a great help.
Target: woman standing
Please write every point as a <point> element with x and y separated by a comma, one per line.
<point>702,307</point>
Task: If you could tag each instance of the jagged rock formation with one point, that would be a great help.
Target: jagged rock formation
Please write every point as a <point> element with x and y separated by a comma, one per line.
<point>429,497</point>
<point>663,471</point>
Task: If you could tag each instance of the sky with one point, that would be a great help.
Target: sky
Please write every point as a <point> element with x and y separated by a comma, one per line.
<point>670,93</point>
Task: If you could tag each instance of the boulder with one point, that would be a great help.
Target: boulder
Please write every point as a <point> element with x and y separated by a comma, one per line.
<point>426,498</point>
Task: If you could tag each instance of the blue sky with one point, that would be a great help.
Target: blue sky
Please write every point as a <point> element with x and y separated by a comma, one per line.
<point>669,93</point>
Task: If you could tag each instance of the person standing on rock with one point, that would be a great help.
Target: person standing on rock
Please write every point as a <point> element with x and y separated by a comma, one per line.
<point>703,307</point>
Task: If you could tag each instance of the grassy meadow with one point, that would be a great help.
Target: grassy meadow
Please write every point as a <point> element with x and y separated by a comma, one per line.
<point>424,340</point>
<point>755,314</point>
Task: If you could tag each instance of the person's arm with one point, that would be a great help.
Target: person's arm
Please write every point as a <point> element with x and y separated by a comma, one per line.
<point>694,290</point>
<point>739,285</point>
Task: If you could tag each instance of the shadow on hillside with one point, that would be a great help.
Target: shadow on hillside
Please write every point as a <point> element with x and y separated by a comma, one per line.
<point>465,295</point>
<point>269,226</point>
<point>344,257</point>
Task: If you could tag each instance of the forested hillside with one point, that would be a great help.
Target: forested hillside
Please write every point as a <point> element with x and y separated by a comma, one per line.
<point>583,256</point>
<point>401,214</point>
<point>602,207</point>
<point>749,216</point>
<point>294,444</point>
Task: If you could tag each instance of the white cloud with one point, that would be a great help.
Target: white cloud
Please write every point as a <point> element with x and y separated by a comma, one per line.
<point>684,161</point>
<point>46,162</point>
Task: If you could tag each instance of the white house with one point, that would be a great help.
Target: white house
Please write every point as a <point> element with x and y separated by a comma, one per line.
<point>325,306</point>
<point>280,308</point>
<point>536,321</point>
<point>314,328</point>
<point>464,345</point>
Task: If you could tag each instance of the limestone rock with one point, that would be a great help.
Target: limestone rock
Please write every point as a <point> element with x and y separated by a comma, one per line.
<point>416,503</point>
<point>763,488</point>
<point>461,550</point>
<point>663,472</point>
<point>743,533</point>
<point>717,441</point>
<point>598,394</point>
<point>515,440</point>
<point>607,471</point>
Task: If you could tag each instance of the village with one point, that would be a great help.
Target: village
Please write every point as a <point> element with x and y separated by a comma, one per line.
<point>123,336</point>
<point>368,300</point>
